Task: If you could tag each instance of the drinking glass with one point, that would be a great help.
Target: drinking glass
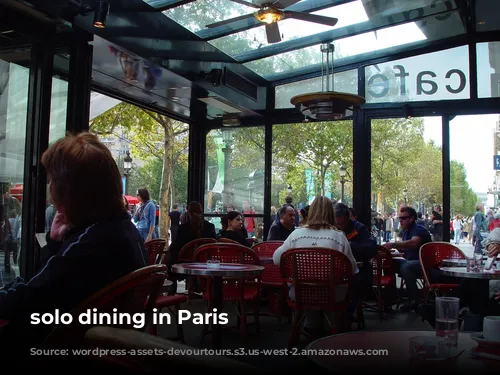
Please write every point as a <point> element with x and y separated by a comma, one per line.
<point>447,319</point>
<point>471,264</point>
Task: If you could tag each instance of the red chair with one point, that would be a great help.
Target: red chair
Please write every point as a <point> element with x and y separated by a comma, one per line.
<point>271,277</point>
<point>384,276</point>
<point>156,250</point>
<point>316,275</point>
<point>186,255</point>
<point>131,294</point>
<point>227,240</point>
<point>431,256</point>
<point>233,290</point>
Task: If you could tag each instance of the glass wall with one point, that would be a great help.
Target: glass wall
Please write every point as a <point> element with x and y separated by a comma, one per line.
<point>475,171</point>
<point>235,176</point>
<point>14,80</point>
<point>433,76</point>
<point>488,69</point>
<point>307,158</point>
<point>406,169</point>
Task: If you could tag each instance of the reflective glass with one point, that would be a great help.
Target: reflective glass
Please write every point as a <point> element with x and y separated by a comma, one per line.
<point>343,81</point>
<point>235,174</point>
<point>487,15</point>
<point>353,18</point>
<point>434,76</point>
<point>413,33</point>
<point>306,162</point>
<point>488,70</point>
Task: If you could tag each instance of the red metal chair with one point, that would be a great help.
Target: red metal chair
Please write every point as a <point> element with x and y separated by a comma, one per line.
<point>271,277</point>
<point>431,256</point>
<point>233,290</point>
<point>186,255</point>
<point>131,294</point>
<point>318,276</point>
<point>227,240</point>
<point>156,250</point>
<point>384,276</point>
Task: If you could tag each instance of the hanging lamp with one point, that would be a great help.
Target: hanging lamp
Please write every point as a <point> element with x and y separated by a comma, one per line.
<point>327,104</point>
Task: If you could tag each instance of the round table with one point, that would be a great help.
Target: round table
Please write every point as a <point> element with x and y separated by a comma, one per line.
<point>458,262</point>
<point>388,351</point>
<point>217,274</point>
<point>462,272</point>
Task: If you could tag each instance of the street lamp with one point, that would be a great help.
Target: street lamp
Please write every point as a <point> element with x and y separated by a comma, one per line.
<point>289,189</point>
<point>405,195</point>
<point>342,173</point>
<point>127,166</point>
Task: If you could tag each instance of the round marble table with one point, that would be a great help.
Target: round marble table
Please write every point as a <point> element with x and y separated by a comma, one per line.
<point>389,352</point>
<point>462,272</point>
<point>459,262</point>
<point>217,274</point>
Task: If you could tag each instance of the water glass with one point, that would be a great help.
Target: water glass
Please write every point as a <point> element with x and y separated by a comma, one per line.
<point>471,264</point>
<point>447,319</point>
<point>428,347</point>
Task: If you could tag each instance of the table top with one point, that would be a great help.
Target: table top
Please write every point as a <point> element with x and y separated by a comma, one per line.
<point>462,272</point>
<point>224,269</point>
<point>385,349</point>
<point>459,262</point>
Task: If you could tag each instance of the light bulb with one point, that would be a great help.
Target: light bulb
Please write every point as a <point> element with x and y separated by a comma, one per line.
<point>269,18</point>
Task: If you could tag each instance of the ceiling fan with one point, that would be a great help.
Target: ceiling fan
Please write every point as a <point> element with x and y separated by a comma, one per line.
<point>271,12</point>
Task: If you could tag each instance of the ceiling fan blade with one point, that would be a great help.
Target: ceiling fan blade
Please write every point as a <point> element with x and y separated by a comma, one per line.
<point>329,21</point>
<point>247,3</point>
<point>225,22</point>
<point>273,33</point>
<point>282,4</point>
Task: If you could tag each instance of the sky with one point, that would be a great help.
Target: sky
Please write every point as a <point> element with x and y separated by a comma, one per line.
<point>471,143</point>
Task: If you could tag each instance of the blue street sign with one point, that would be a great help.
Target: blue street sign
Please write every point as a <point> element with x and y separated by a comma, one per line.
<point>496,162</point>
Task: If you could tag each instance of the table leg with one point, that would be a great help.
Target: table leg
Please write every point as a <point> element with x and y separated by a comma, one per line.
<point>216,304</point>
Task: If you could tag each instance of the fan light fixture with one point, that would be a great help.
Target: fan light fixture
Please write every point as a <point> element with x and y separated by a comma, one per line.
<point>327,104</point>
<point>100,15</point>
<point>269,15</point>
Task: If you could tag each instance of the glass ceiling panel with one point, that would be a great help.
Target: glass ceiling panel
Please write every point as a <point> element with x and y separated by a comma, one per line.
<point>347,14</point>
<point>424,31</point>
<point>195,15</point>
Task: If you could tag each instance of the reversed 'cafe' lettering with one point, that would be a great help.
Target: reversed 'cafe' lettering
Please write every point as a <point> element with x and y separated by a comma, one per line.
<point>378,84</point>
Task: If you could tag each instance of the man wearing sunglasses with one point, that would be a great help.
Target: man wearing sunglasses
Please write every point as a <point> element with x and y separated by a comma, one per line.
<point>413,237</point>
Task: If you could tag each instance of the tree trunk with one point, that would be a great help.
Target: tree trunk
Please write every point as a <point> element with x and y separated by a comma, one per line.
<point>166,179</point>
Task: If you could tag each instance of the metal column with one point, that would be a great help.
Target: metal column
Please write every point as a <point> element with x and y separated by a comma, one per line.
<point>37,139</point>
<point>79,84</point>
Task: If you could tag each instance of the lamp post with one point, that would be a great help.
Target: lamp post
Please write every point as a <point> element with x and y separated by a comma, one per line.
<point>127,166</point>
<point>342,173</point>
<point>227,137</point>
<point>405,196</point>
<point>289,189</point>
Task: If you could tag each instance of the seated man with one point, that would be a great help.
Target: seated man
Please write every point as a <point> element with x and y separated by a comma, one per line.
<point>413,237</point>
<point>363,247</point>
<point>281,229</point>
<point>92,245</point>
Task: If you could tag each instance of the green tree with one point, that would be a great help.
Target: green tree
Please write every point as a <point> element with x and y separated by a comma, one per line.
<point>151,135</point>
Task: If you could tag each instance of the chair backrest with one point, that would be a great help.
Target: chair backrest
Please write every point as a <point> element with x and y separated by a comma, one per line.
<point>316,273</point>
<point>227,240</point>
<point>432,254</point>
<point>133,294</point>
<point>112,338</point>
<point>155,249</point>
<point>186,254</point>
<point>226,253</point>
<point>382,264</point>
<point>266,248</point>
